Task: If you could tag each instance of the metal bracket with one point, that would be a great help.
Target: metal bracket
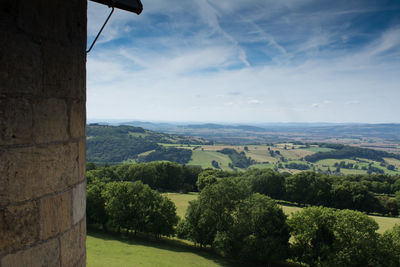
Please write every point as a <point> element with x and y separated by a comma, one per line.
<point>91,46</point>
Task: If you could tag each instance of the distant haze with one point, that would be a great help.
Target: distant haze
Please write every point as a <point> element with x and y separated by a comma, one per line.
<point>250,61</point>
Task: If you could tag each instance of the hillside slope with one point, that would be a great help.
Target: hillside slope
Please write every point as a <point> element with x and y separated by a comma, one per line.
<point>112,144</point>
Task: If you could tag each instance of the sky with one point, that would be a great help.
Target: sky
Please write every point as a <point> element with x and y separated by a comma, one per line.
<point>247,61</point>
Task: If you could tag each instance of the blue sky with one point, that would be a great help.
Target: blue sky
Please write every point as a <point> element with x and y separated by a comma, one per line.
<point>247,61</point>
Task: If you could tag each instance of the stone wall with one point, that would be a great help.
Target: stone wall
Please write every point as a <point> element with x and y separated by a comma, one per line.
<point>42,132</point>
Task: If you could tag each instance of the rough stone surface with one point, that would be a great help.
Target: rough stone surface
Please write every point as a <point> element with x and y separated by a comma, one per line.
<point>73,245</point>
<point>50,121</point>
<point>21,70</point>
<point>19,226</point>
<point>16,125</point>
<point>33,172</point>
<point>46,254</point>
<point>55,215</point>
<point>77,119</point>
<point>82,159</point>
<point>42,132</point>
<point>62,72</point>
<point>78,202</point>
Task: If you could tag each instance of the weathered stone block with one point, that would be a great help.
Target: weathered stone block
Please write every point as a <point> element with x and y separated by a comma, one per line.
<point>16,122</point>
<point>82,159</point>
<point>50,120</point>
<point>8,13</point>
<point>63,72</point>
<point>46,254</point>
<point>19,226</point>
<point>21,70</point>
<point>32,172</point>
<point>55,215</point>
<point>73,245</point>
<point>39,18</point>
<point>78,202</point>
<point>77,123</point>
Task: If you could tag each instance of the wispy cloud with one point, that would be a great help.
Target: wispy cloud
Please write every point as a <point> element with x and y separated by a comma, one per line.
<point>246,61</point>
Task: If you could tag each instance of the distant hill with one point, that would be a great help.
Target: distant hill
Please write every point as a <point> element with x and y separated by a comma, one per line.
<point>377,136</point>
<point>112,144</point>
<point>211,126</point>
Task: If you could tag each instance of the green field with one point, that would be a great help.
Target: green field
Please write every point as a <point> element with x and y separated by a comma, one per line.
<point>318,149</point>
<point>204,159</point>
<point>109,251</point>
<point>182,202</point>
<point>179,145</point>
<point>203,155</point>
<point>262,166</point>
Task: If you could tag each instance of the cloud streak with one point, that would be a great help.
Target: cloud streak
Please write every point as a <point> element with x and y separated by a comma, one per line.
<point>215,62</point>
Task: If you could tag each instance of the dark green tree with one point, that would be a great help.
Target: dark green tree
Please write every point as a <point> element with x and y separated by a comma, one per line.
<point>258,231</point>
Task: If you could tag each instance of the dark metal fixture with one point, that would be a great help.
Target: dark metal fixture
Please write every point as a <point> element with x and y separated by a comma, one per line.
<point>134,6</point>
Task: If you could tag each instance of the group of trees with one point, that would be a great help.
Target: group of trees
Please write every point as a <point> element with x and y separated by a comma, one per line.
<point>237,222</point>
<point>370,193</point>
<point>235,212</point>
<point>115,144</point>
<point>343,152</point>
<point>328,237</point>
<point>297,166</point>
<point>239,160</point>
<point>173,154</point>
<point>131,206</point>
<point>249,226</point>
<point>162,176</point>
<point>356,192</point>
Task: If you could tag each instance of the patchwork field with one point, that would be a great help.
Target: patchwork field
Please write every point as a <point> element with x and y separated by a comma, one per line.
<point>276,156</point>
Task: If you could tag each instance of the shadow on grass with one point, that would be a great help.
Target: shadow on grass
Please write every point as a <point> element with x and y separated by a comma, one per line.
<point>174,245</point>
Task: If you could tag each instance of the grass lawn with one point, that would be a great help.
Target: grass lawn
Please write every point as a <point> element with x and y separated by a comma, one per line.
<point>262,166</point>
<point>181,201</point>
<point>109,251</point>
<point>261,155</point>
<point>204,159</point>
<point>352,171</point>
<point>385,223</point>
<point>318,149</point>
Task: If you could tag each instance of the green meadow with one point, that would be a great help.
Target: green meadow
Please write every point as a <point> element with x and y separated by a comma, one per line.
<point>204,159</point>
<point>113,251</point>
<point>181,201</point>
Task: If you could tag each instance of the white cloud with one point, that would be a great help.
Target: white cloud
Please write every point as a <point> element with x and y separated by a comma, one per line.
<point>195,65</point>
<point>255,101</point>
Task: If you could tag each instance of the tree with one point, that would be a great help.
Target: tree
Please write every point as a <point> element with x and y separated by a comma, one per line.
<point>352,195</point>
<point>212,211</point>
<point>124,206</point>
<point>313,237</point>
<point>134,206</point>
<point>95,210</point>
<point>328,237</point>
<point>215,164</point>
<point>308,188</point>
<point>389,246</point>
<point>161,217</point>
<point>258,231</point>
<point>206,178</point>
<point>390,167</point>
<point>267,182</point>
